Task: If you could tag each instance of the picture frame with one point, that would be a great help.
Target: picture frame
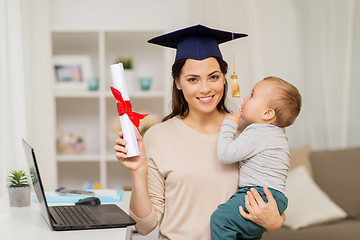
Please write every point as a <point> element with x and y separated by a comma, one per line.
<point>72,71</point>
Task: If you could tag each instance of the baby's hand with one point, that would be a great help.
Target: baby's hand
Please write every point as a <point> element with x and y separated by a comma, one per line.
<point>234,116</point>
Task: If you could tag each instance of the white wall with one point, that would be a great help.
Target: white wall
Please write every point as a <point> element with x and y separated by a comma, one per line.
<point>131,15</point>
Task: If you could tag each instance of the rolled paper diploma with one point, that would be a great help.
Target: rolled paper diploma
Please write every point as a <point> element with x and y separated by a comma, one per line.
<point>121,95</point>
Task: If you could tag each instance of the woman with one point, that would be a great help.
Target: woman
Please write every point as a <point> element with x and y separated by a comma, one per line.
<point>178,181</point>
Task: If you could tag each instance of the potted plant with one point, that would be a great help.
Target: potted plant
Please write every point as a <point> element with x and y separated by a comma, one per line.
<point>127,63</point>
<point>129,73</point>
<point>19,189</point>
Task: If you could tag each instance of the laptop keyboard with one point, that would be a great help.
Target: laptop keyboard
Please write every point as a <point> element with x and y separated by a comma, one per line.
<point>72,215</point>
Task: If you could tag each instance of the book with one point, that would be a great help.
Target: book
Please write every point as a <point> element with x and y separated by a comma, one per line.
<point>105,195</point>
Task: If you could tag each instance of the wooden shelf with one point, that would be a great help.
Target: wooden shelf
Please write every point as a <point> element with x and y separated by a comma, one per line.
<point>81,157</point>
<point>76,94</point>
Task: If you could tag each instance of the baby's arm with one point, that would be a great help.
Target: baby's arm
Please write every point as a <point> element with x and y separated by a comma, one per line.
<point>234,116</point>
<point>231,150</point>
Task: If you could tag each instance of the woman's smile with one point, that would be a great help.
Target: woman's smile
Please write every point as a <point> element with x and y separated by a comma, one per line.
<point>207,99</point>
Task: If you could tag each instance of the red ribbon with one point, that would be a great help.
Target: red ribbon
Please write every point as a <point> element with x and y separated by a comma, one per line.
<point>125,107</point>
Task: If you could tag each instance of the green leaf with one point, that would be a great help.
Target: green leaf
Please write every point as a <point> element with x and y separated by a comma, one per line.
<point>17,179</point>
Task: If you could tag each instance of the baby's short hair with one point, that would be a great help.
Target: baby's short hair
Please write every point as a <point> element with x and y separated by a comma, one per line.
<point>286,102</point>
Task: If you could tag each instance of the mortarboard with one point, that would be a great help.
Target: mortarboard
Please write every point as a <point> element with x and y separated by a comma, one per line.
<point>199,42</point>
<point>196,42</point>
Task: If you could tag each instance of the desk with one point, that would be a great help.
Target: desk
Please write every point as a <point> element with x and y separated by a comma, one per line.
<point>28,223</point>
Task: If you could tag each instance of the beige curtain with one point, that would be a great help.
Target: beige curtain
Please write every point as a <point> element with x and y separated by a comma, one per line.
<point>12,88</point>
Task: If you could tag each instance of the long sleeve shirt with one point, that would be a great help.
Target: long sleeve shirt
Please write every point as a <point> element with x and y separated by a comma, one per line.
<point>262,152</point>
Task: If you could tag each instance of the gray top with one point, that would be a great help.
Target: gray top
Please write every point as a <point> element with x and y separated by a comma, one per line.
<point>262,152</point>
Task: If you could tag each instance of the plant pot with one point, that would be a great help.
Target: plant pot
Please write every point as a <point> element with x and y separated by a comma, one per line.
<point>145,83</point>
<point>19,197</point>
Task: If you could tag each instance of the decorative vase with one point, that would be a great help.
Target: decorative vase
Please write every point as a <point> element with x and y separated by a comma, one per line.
<point>19,196</point>
<point>93,83</point>
<point>145,83</point>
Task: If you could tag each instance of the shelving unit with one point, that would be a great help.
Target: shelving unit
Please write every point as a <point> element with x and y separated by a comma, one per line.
<point>91,114</point>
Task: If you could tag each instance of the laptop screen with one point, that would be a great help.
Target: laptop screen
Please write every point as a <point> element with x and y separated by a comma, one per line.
<point>36,181</point>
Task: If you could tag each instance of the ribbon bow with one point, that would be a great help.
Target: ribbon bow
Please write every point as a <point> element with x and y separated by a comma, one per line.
<point>125,107</point>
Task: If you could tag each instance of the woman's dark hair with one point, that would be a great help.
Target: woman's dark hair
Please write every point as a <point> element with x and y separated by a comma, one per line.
<point>179,105</point>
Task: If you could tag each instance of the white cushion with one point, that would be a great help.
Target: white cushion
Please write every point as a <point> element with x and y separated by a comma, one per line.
<point>308,204</point>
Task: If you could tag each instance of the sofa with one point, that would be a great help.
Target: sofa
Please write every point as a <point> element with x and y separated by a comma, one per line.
<point>336,175</point>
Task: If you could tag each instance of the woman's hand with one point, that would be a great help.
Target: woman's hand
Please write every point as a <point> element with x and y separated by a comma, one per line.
<point>132,163</point>
<point>264,214</point>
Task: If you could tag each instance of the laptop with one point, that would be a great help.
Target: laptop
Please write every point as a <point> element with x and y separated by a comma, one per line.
<point>74,217</point>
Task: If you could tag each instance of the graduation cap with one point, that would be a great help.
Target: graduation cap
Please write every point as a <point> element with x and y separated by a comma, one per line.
<point>198,42</point>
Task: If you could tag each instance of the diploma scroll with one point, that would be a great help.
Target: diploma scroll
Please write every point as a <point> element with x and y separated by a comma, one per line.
<point>128,118</point>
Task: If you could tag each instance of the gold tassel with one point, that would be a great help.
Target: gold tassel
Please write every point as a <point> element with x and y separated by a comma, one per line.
<point>235,89</point>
